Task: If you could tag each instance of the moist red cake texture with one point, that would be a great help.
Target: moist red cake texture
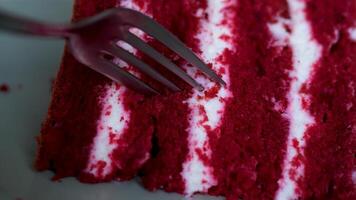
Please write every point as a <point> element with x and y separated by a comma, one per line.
<point>331,145</point>
<point>249,146</point>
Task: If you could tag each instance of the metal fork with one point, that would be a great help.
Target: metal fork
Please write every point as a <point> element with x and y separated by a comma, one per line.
<point>91,39</point>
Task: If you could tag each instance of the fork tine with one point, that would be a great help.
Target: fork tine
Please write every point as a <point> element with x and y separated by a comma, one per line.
<point>157,31</point>
<point>148,50</point>
<point>121,53</point>
<point>120,75</point>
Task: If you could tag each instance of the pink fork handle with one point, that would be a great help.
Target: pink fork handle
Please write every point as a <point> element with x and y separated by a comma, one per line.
<point>13,23</point>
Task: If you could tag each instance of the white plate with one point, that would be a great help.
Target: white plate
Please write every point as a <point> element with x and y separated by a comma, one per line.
<point>32,63</point>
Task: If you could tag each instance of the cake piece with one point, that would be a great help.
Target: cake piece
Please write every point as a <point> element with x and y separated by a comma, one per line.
<point>284,126</point>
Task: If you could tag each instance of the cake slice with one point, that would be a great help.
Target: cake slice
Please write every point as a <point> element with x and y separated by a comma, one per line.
<point>282,128</point>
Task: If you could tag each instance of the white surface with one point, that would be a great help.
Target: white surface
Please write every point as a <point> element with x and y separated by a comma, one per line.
<point>22,111</point>
<point>306,52</point>
<point>198,177</point>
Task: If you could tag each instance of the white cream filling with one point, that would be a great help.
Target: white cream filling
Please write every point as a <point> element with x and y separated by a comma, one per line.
<point>114,117</point>
<point>197,176</point>
<point>279,31</point>
<point>352,33</point>
<point>113,121</point>
<point>306,52</point>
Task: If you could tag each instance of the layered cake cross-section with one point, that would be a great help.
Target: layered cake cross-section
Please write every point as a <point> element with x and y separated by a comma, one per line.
<point>283,127</point>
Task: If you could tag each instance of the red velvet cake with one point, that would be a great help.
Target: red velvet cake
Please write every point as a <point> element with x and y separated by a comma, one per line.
<point>284,127</point>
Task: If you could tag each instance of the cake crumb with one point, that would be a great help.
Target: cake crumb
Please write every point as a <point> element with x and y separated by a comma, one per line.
<point>4,88</point>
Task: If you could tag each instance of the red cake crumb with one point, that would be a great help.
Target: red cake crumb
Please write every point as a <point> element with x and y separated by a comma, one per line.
<point>101,165</point>
<point>212,92</point>
<point>4,88</point>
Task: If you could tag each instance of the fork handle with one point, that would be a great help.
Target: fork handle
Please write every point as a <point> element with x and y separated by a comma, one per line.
<point>13,23</point>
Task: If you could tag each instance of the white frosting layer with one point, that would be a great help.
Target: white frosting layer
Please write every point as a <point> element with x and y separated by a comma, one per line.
<point>113,120</point>
<point>306,52</point>
<point>207,112</point>
<point>352,33</point>
<point>111,125</point>
<point>279,31</point>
